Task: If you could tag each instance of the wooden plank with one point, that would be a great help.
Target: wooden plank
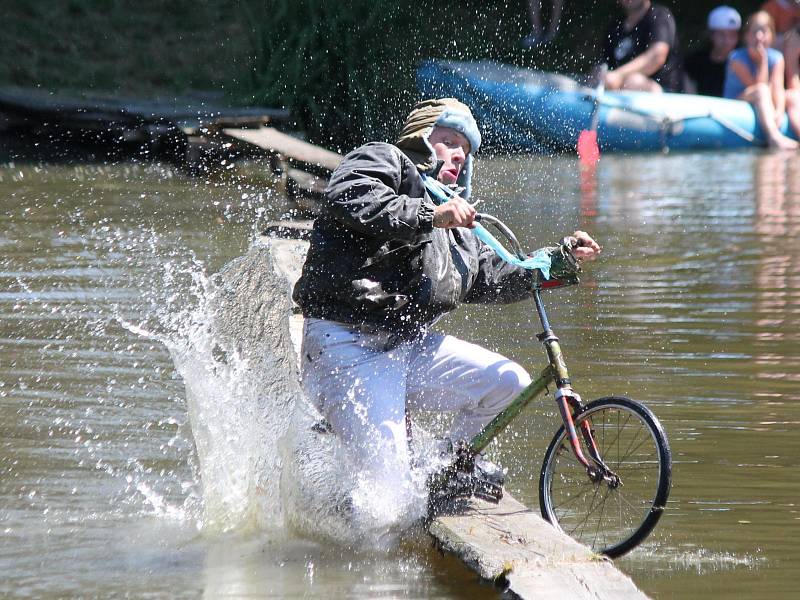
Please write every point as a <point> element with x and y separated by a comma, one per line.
<point>505,543</point>
<point>272,140</point>
<point>108,107</point>
<point>290,230</point>
<point>513,546</point>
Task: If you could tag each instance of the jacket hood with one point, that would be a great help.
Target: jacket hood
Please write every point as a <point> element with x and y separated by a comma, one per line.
<point>444,112</point>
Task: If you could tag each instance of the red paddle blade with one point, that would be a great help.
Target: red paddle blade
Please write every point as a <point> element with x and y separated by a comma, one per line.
<point>588,150</point>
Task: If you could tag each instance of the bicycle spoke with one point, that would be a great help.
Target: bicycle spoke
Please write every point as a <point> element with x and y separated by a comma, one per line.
<point>592,509</point>
<point>576,497</point>
<point>582,524</point>
<point>642,443</point>
<point>613,519</point>
<point>630,445</point>
<point>619,429</point>
<point>599,522</point>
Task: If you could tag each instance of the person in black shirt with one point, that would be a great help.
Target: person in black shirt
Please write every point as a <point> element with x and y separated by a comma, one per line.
<point>641,49</point>
<point>705,68</point>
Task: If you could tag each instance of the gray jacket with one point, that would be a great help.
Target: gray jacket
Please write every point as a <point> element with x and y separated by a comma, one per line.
<point>376,259</point>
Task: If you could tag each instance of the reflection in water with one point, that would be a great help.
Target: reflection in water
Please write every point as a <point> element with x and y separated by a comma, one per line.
<point>777,221</point>
<point>588,186</point>
<point>687,289</point>
<point>777,192</point>
<point>693,309</point>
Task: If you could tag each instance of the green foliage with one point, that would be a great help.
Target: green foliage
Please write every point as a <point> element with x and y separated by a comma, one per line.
<point>333,63</point>
<point>345,68</point>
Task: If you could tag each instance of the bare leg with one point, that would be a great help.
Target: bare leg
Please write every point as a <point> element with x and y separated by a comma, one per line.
<point>555,20</point>
<point>535,16</point>
<point>637,82</point>
<point>538,34</point>
<point>759,96</point>
<point>534,38</point>
<point>793,110</point>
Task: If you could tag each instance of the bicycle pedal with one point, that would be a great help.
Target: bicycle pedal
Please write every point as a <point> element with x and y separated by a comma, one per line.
<point>488,491</point>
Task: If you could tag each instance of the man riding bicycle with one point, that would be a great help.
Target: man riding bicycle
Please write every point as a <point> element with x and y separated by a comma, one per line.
<point>385,263</point>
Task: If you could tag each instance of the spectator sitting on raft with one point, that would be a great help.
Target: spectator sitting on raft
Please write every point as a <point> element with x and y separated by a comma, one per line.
<point>385,263</point>
<point>641,49</point>
<point>705,68</point>
<point>786,14</point>
<point>755,73</point>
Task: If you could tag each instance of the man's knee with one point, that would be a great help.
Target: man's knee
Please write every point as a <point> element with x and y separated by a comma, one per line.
<point>792,99</point>
<point>639,82</point>
<point>511,381</point>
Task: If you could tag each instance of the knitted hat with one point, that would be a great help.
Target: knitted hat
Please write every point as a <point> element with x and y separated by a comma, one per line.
<point>442,112</point>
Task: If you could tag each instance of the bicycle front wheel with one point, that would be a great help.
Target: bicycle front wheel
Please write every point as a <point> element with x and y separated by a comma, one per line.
<point>611,519</point>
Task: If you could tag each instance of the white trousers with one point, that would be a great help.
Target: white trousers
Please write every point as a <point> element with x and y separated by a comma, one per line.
<point>364,390</point>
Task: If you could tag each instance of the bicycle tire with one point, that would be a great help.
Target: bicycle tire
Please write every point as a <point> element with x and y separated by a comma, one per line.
<point>633,444</point>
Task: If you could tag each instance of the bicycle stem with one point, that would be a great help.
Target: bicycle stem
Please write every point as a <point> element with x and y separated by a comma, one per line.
<point>567,400</point>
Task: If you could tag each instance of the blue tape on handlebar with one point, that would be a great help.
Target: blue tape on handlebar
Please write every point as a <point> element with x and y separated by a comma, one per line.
<point>541,258</point>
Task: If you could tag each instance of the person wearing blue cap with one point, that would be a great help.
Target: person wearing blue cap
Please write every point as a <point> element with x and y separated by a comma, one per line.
<point>705,68</point>
<point>384,264</point>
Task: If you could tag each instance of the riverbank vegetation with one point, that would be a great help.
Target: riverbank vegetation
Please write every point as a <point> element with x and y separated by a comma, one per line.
<point>344,68</point>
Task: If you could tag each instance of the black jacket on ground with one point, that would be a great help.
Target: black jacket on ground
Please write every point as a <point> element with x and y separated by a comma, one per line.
<point>376,259</point>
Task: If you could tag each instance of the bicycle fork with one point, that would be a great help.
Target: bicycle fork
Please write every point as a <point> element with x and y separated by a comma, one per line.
<point>570,406</point>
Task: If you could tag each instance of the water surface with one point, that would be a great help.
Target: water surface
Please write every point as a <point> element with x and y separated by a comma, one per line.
<point>693,309</point>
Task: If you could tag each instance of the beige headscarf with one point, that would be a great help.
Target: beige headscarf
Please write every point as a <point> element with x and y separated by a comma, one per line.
<point>445,112</point>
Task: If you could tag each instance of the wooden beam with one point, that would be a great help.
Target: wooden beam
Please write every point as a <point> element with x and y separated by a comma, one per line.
<point>291,148</point>
<point>514,547</point>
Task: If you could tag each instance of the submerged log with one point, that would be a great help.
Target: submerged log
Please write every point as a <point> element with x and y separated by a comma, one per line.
<point>504,543</point>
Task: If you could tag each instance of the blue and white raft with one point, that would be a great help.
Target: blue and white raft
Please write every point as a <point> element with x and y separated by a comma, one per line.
<point>536,111</point>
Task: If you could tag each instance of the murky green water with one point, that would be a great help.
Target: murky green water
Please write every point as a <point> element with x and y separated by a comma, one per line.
<point>693,309</point>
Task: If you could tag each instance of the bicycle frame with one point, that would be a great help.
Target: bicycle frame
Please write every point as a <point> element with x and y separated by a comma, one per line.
<point>568,401</point>
<point>561,476</point>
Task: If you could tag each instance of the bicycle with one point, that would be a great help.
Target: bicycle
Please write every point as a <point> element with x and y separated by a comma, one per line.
<point>620,460</point>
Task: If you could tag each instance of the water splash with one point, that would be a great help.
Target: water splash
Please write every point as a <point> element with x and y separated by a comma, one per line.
<point>262,463</point>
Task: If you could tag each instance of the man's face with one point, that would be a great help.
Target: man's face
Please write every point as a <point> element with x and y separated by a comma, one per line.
<point>724,40</point>
<point>451,147</point>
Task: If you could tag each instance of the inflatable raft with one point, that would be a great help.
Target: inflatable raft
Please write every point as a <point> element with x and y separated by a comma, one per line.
<point>526,110</point>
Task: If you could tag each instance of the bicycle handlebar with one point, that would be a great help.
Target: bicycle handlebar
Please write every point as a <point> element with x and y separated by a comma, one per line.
<point>504,229</point>
<point>570,241</point>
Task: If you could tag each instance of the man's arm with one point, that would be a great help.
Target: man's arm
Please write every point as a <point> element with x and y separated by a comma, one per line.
<point>647,63</point>
<point>661,39</point>
<point>498,281</point>
<point>363,194</point>
<point>501,282</point>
